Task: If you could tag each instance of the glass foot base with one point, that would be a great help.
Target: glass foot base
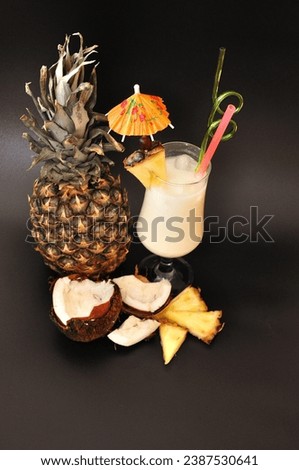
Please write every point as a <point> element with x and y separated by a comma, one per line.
<point>176,270</point>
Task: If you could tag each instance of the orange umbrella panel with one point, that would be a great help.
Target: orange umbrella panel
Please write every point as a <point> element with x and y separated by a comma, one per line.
<point>138,115</point>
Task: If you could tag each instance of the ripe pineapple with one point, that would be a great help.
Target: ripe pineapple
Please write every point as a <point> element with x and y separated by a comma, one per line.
<point>78,210</point>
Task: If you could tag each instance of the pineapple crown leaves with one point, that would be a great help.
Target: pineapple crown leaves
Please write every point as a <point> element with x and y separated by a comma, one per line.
<point>72,140</point>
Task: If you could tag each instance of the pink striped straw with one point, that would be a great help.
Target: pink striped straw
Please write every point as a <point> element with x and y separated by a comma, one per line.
<point>216,138</point>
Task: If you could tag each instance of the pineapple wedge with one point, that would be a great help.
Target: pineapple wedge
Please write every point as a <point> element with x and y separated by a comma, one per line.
<point>189,299</point>
<point>188,310</point>
<point>172,338</point>
<point>152,165</point>
<point>203,325</point>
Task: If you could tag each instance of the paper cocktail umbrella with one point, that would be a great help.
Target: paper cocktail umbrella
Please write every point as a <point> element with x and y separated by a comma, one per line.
<point>139,115</point>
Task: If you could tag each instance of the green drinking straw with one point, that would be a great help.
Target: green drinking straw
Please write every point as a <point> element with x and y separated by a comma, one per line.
<point>216,109</point>
<point>218,73</point>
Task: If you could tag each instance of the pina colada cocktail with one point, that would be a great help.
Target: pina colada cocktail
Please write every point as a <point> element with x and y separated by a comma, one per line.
<point>171,220</point>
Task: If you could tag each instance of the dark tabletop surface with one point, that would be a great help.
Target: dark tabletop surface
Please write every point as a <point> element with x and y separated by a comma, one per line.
<point>241,392</point>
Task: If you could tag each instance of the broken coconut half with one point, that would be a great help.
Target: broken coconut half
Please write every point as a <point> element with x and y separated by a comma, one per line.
<point>133,330</point>
<point>141,297</point>
<point>85,310</point>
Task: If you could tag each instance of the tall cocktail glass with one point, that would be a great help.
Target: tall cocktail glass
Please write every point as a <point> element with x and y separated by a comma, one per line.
<point>171,220</point>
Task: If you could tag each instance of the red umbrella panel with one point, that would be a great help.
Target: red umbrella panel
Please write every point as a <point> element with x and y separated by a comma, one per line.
<point>139,115</point>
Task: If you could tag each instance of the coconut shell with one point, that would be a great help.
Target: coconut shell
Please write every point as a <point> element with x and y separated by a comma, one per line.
<point>88,329</point>
<point>142,313</point>
<point>137,313</point>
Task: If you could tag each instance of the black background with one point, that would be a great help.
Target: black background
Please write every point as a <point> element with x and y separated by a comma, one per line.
<point>241,392</point>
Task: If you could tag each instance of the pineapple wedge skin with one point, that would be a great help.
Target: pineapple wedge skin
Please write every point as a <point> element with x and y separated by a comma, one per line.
<point>171,337</point>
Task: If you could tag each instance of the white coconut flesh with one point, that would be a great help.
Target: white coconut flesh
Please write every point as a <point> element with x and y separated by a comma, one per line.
<point>145,296</point>
<point>76,299</point>
<point>133,330</point>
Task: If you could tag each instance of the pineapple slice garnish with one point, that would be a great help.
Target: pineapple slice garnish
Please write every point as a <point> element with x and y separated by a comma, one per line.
<point>188,310</point>
<point>171,337</point>
<point>152,165</point>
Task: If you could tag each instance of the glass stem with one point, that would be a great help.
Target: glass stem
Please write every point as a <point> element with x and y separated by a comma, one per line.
<point>165,269</point>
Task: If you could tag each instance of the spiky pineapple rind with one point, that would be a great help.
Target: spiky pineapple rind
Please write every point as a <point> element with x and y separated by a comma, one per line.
<point>81,230</point>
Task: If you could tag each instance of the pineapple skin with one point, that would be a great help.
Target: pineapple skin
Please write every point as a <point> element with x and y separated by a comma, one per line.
<point>83,229</point>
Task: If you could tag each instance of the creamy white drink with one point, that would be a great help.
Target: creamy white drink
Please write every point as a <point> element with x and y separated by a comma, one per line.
<point>170,223</point>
